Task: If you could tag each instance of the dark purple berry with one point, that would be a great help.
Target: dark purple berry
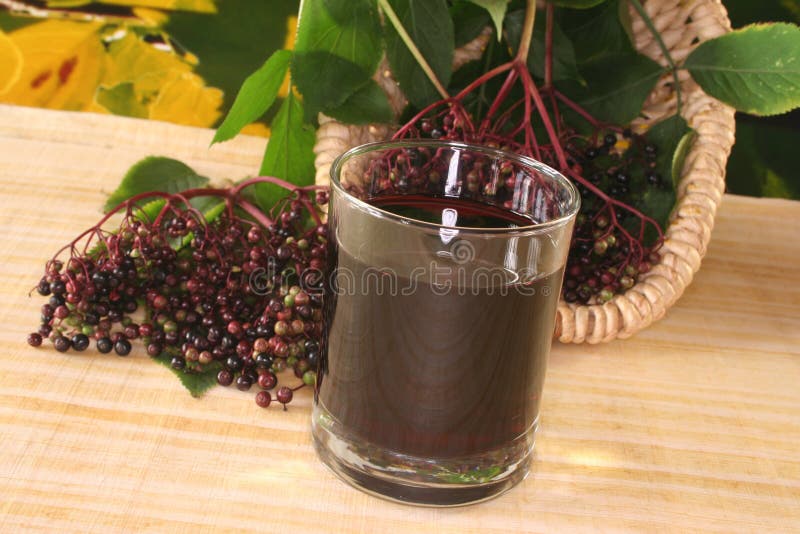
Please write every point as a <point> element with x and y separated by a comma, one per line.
<point>243,382</point>
<point>105,345</point>
<point>122,347</point>
<point>61,343</point>
<point>284,395</point>
<point>283,253</point>
<point>34,339</point>
<point>80,342</point>
<point>58,288</point>
<point>43,288</point>
<point>224,378</point>
<point>267,380</point>
<point>263,399</point>
<point>234,363</point>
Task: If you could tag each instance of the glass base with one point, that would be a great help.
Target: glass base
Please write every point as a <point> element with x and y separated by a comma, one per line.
<point>422,481</point>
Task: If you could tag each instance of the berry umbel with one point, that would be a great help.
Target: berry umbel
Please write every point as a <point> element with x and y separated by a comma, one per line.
<point>232,292</point>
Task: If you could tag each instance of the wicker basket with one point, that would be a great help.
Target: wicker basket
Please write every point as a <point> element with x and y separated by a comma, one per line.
<point>683,24</point>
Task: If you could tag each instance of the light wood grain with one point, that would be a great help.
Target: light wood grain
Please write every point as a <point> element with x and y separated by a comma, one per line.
<point>692,425</point>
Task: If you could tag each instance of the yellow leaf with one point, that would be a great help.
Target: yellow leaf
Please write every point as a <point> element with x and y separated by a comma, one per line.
<point>11,60</point>
<point>199,6</point>
<point>129,58</point>
<point>186,100</point>
<point>62,64</point>
<point>140,77</point>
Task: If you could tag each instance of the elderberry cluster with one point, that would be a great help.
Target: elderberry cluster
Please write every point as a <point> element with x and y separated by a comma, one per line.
<point>615,241</point>
<point>612,169</point>
<point>236,296</point>
<point>603,259</point>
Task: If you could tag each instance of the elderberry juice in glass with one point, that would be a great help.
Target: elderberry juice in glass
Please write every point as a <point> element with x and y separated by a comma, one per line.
<point>440,308</point>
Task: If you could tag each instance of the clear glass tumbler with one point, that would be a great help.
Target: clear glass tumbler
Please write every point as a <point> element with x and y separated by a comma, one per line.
<point>447,263</point>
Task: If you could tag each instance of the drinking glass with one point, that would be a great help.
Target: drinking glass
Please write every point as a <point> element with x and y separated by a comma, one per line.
<point>447,262</point>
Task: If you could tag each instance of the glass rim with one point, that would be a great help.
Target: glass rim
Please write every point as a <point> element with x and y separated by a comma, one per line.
<point>573,205</point>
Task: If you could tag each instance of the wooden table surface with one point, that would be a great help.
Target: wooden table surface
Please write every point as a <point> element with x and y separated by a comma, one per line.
<point>691,425</point>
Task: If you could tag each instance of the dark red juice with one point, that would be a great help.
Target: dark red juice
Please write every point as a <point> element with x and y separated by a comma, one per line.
<point>434,373</point>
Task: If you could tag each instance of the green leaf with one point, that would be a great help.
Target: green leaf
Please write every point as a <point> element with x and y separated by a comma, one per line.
<point>155,173</point>
<point>673,138</point>
<point>289,154</point>
<point>564,64</point>
<point>210,207</point>
<point>350,29</point>
<point>616,86</point>
<point>195,382</point>
<point>121,100</point>
<point>497,10</point>
<point>597,32</point>
<point>150,210</point>
<point>338,47</point>
<point>325,80</point>
<point>469,20</point>
<point>256,95</point>
<point>577,4</point>
<point>429,25</point>
<point>755,69</point>
<point>367,104</point>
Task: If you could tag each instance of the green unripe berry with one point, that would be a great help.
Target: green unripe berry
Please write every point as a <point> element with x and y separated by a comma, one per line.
<point>310,378</point>
<point>600,247</point>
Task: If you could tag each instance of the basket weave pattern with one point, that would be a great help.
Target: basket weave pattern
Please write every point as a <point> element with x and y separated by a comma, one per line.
<point>682,24</point>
